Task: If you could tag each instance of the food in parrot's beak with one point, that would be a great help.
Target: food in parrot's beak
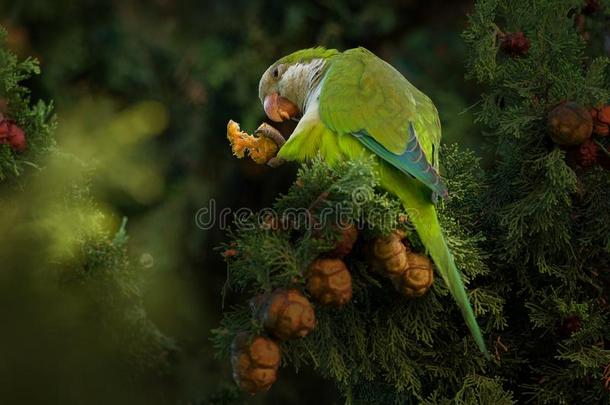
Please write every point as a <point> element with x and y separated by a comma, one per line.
<point>261,149</point>
<point>279,109</point>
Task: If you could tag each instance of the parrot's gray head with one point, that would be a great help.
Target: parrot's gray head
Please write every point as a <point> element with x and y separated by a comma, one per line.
<point>286,86</point>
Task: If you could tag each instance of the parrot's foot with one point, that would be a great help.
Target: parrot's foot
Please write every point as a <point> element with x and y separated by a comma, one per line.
<point>275,162</point>
<point>262,149</point>
<point>269,132</point>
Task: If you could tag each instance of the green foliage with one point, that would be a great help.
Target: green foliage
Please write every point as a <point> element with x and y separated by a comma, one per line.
<point>102,271</point>
<point>76,305</point>
<point>530,234</point>
<point>36,120</point>
<point>380,339</point>
<point>547,221</point>
<point>202,61</point>
<point>539,230</point>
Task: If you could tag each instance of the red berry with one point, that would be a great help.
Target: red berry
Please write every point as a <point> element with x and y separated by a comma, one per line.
<point>587,153</point>
<point>515,43</point>
<point>12,134</point>
<point>567,326</point>
<point>603,114</point>
<point>591,7</point>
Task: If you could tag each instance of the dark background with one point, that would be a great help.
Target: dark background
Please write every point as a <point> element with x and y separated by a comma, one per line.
<point>143,91</point>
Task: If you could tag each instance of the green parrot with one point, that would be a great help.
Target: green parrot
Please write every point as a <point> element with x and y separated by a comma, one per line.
<point>352,104</point>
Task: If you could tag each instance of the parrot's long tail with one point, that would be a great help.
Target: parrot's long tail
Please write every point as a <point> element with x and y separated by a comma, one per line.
<point>422,214</point>
<point>430,233</point>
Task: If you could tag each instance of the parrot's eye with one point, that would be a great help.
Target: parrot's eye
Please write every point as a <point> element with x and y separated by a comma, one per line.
<point>276,72</point>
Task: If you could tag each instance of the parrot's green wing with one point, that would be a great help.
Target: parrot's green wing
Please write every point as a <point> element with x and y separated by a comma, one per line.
<point>364,96</point>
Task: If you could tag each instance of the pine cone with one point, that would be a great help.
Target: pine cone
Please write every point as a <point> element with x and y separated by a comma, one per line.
<point>515,44</point>
<point>390,255</point>
<point>287,314</point>
<point>255,361</point>
<point>416,280</point>
<point>349,235</point>
<point>570,124</point>
<point>329,282</point>
<point>411,273</point>
<point>601,120</point>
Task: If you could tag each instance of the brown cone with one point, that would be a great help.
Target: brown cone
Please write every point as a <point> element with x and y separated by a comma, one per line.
<point>287,314</point>
<point>255,361</point>
<point>329,282</point>
<point>570,124</point>
<point>416,280</point>
<point>411,273</point>
<point>390,255</point>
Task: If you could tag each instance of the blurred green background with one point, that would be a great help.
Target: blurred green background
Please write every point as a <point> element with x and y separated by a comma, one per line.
<point>143,91</point>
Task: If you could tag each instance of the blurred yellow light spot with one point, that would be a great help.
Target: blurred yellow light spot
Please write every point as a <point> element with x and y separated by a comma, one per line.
<point>144,120</point>
<point>117,143</point>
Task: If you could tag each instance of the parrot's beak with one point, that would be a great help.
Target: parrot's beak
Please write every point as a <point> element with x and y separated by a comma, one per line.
<point>279,109</point>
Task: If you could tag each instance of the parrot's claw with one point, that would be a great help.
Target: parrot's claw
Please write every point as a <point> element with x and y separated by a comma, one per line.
<point>275,162</point>
<point>268,131</point>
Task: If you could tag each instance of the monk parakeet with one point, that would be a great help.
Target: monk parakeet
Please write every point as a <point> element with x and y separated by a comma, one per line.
<point>353,104</point>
